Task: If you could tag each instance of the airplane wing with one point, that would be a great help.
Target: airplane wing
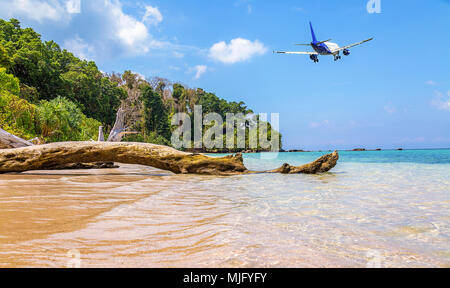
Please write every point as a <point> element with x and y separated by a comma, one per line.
<point>298,53</point>
<point>352,45</point>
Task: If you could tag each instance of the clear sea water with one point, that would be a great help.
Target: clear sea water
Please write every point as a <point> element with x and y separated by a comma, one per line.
<point>374,209</point>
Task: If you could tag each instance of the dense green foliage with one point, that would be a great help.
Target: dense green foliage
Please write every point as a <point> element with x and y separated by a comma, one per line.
<point>61,120</point>
<point>55,120</point>
<point>155,114</point>
<point>54,72</point>
<point>47,92</point>
<point>16,115</point>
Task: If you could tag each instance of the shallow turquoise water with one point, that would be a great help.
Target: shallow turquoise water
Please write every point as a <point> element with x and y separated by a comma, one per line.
<point>263,161</point>
<point>374,209</point>
<point>391,206</point>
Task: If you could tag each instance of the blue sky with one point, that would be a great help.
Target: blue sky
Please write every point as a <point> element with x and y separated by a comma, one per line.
<point>389,93</point>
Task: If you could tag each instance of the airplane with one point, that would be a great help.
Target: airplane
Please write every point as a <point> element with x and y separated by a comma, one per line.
<point>324,48</point>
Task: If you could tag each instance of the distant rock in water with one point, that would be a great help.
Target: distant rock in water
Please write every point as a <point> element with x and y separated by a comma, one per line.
<point>359,149</point>
<point>400,149</point>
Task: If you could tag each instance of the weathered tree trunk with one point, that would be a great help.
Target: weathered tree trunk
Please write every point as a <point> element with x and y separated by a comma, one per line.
<point>101,137</point>
<point>53,155</point>
<point>321,165</point>
<point>119,129</point>
<point>8,140</point>
<point>115,134</point>
<point>119,126</point>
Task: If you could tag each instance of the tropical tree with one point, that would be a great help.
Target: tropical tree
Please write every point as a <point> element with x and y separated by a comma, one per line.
<point>16,115</point>
<point>46,72</point>
<point>155,115</point>
<point>62,120</point>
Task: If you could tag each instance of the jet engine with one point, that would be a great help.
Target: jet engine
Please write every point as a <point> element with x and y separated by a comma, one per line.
<point>346,52</point>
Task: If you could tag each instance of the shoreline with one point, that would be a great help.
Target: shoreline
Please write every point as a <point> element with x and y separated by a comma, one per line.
<point>325,151</point>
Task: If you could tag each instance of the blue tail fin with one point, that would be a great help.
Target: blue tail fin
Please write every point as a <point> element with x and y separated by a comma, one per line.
<point>312,33</point>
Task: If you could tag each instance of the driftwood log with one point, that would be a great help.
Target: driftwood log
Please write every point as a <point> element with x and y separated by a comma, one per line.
<point>49,156</point>
<point>8,140</point>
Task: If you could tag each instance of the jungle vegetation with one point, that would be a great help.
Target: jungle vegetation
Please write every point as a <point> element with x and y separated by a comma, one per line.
<point>48,94</point>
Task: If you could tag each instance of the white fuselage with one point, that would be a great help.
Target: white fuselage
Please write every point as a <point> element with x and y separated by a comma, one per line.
<point>332,46</point>
<point>326,48</point>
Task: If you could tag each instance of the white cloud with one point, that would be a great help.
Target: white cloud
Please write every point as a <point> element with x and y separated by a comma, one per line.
<point>41,10</point>
<point>430,82</point>
<point>139,75</point>
<point>174,68</point>
<point>152,15</point>
<point>245,3</point>
<point>73,6</point>
<point>238,50</point>
<point>390,109</point>
<point>178,54</point>
<point>298,9</point>
<point>200,70</point>
<point>441,101</point>
<point>36,10</point>
<point>323,123</point>
<point>111,32</point>
<point>79,48</point>
<point>131,33</point>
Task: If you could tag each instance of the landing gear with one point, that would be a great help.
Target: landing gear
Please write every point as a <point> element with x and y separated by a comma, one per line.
<point>314,58</point>
<point>337,57</point>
